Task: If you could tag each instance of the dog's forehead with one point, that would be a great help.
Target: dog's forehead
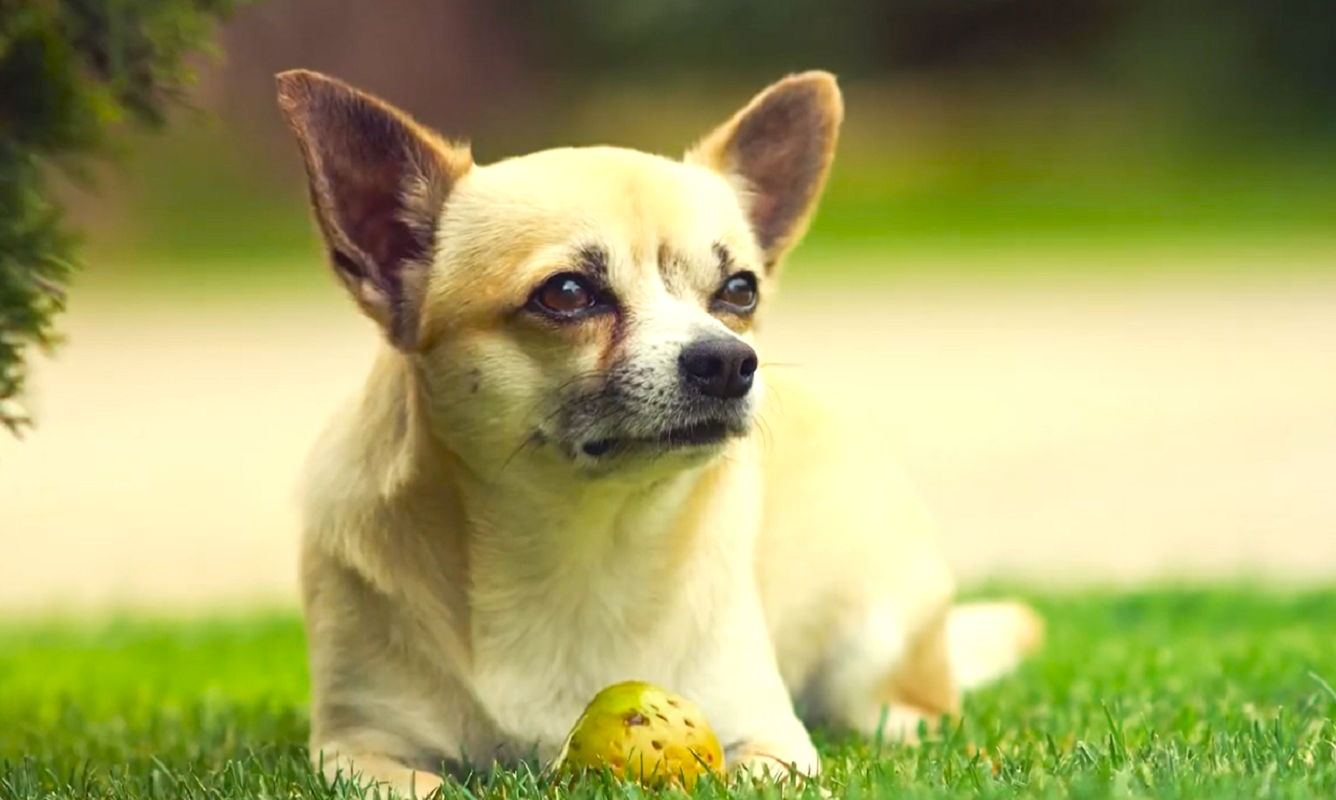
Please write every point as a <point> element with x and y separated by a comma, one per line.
<point>594,173</point>
<point>624,198</point>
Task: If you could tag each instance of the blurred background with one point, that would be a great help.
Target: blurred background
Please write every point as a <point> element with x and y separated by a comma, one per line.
<point>1076,263</point>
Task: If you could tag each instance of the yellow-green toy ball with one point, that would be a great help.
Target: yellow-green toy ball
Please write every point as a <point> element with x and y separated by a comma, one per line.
<point>644,734</point>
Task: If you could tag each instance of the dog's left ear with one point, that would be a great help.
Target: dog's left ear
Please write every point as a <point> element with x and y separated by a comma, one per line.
<point>777,150</point>
<point>378,183</point>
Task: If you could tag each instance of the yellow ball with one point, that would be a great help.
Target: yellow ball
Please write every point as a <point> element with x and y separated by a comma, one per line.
<point>643,734</point>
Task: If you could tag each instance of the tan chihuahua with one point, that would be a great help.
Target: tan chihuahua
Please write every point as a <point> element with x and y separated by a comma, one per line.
<point>569,467</point>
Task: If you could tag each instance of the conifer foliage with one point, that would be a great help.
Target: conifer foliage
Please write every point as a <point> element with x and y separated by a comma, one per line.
<point>75,75</point>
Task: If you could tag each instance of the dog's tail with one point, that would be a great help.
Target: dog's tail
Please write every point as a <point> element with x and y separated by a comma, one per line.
<point>987,640</point>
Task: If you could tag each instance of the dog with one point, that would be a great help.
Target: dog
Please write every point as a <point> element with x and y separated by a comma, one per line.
<point>570,467</point>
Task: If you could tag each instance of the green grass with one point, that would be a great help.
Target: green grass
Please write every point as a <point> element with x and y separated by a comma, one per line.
<point>1174,694</point>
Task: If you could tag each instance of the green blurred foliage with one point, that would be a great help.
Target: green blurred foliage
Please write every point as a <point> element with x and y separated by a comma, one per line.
<point>972,125</point>
<point>73,74</point>
<point>1265,62</point>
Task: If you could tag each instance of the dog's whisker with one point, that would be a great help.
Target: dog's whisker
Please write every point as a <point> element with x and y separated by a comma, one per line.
<point>767,435</point>
<point>778,396</point>
<point>529,441</point>
<point>535,437</point>
<point>556,394</point>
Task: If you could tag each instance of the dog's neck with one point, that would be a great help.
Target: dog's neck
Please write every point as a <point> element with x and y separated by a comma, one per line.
<point>534,534</point>
<point>529,522</point>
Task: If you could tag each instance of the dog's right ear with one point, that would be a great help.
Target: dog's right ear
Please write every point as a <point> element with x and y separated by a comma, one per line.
<point>777,152</point>
<point>378,183</point>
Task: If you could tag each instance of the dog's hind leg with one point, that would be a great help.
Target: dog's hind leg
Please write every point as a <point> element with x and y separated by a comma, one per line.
<point>988,640</point>
<point>884,680</point>
<point>881,679</point>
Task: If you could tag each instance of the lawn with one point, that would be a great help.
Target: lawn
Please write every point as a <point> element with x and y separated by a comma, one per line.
<point>1196,693</point>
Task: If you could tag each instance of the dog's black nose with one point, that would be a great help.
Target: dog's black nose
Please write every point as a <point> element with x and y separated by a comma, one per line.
<point>718,367</point>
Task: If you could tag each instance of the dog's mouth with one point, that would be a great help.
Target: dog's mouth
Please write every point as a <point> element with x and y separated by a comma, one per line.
<point>698,434</point>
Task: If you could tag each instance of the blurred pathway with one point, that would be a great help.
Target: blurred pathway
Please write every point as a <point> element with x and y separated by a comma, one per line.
<point>1061,434</point>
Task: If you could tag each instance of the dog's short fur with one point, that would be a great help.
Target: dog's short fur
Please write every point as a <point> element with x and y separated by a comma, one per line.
<point>566,470</point>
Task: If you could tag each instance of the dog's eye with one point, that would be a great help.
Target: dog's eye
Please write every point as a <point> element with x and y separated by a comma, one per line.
<point>738,292</point>
<point>565,295</point>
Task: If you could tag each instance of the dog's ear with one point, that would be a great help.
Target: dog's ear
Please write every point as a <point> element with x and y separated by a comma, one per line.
<point>378,183</point>
<point>777,150</point>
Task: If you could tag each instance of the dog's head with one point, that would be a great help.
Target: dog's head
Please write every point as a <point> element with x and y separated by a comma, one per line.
<point>588,306</point>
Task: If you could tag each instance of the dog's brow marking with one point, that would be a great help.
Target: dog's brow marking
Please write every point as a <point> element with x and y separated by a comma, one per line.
<point>593,261</point>
<point>725,257</point>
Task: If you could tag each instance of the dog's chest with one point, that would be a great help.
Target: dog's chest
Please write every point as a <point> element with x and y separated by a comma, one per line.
<point>560,610</point>
<point>543,647</point>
